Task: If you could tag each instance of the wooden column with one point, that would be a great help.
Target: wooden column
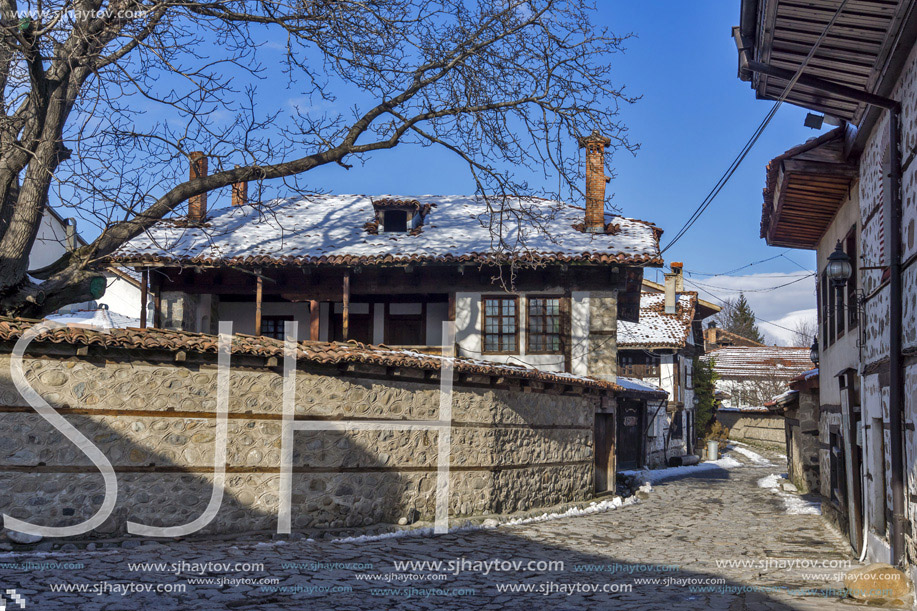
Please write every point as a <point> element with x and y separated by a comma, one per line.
<point>451,314</point>
<point>156,281</point>
<point>144,295</point>
<point>259,288</point>
<point>345,316</point>
<point>315,313</point>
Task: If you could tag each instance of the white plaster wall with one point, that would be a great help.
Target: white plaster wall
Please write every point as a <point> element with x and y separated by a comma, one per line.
<point>844,352</point>
<point>50,242</point>
<point>579,332</point>
<point>468,335</point>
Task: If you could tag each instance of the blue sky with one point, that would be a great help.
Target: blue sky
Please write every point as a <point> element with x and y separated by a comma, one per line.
<point>693,118</point>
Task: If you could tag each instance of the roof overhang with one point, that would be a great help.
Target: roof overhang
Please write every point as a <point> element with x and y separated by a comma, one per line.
<point>864,51</point>
<point>806,186</point>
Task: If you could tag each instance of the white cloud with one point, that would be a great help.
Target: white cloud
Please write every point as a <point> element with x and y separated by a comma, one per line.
<point>783,299</point>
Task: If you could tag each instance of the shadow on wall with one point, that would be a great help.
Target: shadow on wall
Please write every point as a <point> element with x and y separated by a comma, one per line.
<point>154,423</point>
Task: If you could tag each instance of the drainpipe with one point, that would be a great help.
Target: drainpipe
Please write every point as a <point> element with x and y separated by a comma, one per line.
<point>895,328</point>
<point>893,215</point>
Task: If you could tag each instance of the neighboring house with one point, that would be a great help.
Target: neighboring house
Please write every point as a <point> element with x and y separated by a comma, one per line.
<point>714,338</point>
<point>121,301</point>
<point>804,425</point>
<point>660,349</point>
<point>527,281</point>
<point>850,194</point>
<point>747,378</point>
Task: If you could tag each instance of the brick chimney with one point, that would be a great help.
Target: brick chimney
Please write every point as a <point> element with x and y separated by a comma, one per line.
<point>197,205</point>
<point>711,334</point>
<point>678,270</point>
<point>595,144</point>
<point>239,193</point>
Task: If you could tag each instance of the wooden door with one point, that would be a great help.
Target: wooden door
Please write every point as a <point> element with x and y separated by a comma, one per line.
<point>604,452</point>
<point>630,434</point>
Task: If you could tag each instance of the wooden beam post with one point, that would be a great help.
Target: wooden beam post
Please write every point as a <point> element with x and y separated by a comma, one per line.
<point>259,288</point>
<point>314,320</point>
<point>345,316</point>
<point>157,301</point>
<point>144,292</point>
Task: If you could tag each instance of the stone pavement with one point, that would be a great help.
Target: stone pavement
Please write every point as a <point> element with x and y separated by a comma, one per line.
<point>661,553</point>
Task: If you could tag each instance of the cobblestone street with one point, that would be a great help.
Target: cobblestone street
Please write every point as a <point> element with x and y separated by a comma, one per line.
<point>678,536</point>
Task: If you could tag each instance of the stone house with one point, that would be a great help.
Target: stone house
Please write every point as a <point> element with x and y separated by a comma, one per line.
<point>714,338</point>
<point>806,430</point>
<point>526,281</point>
<point>660,349</point>
<point>520,438</point>
<point>850,196</point>
<point>748,377</point>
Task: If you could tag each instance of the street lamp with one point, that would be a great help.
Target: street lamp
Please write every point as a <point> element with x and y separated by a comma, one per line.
<point>695,400</point>
<point>839,269</point>
<point>813,353</point>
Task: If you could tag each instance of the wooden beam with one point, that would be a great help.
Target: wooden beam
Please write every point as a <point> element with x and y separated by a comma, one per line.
<point>345,315</point>
<point>259,288</point>
<point>314,320</point>
<point>144,289</point>
<point>157,301</point>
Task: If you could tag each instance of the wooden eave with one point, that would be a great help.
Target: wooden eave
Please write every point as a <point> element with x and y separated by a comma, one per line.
<point>805,188</point>
<point>856,51</point>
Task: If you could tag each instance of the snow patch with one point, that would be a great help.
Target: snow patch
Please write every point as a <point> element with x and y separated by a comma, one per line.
<point>651,476</point>
<point>756,458</point>
<point>573,512</point>
<point>794,504</point>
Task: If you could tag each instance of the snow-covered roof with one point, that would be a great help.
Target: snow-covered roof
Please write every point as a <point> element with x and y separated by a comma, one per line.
<point>638,385</point>
<point>759,362</point>
<point>100,318</point>
<point>656,329</point>
<point>339,229</point>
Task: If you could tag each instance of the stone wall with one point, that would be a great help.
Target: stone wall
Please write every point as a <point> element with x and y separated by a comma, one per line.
<point>802,423</point>
<point>763,427</point>
<point>513,448</point>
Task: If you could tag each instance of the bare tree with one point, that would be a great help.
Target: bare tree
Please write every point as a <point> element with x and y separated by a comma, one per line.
<point>103,102</point>
<point>804,331</point>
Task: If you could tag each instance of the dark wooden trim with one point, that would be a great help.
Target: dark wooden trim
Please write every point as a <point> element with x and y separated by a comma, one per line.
<point>503,296</point>
<point>830,408</point>
<point>144,288</point>
<point>233,469</point>
<point>157,301</point>
<point>315,319</point>
<point>259,289</point>
<point>345,308</point>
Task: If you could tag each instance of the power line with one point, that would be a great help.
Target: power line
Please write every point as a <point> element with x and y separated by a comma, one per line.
<point>754,137</point>
<point>762,290</point>
<point>725,302</point>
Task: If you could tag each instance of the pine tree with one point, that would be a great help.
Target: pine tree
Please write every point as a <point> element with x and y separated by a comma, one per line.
<point>744,322</point>
<point>738,317</point>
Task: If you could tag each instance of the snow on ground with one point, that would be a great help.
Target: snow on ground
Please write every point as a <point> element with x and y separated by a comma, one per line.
<point>756,458</point>
<point>572,512</point>
<point>795,504</point>
<point>652,476</point>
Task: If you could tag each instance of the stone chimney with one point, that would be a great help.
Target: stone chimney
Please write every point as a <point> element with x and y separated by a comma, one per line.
<point>670,296</point>
<point>197,205</point>
<point>678,270</point>
<point>239,193</point>
<point>711,333</point>
<point>595,144</point>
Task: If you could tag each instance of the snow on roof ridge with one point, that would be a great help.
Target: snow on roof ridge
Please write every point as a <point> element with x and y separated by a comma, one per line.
<point>332,228</point>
